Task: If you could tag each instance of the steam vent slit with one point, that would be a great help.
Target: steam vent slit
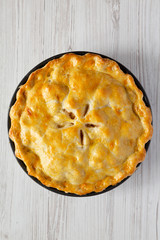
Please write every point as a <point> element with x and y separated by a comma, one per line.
<point>81,137</point>
<point>86,110</point>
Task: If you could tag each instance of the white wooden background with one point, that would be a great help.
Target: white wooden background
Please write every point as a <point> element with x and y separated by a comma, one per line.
<point>33,30</point>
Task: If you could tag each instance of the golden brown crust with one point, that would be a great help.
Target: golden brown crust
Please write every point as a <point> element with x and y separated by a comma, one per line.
<point>88,99</point>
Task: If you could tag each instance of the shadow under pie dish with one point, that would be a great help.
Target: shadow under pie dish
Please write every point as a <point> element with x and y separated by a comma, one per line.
<point>79,123</point>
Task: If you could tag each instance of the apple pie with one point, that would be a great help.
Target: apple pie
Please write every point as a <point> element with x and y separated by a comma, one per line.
<point>80,124</point>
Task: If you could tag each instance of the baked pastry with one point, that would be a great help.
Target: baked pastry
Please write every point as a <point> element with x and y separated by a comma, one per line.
<point>80,124</point>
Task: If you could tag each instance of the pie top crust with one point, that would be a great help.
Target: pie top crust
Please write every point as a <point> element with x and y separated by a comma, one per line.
<point>80,124</point>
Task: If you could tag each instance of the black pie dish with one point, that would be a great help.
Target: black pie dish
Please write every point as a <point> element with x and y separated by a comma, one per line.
<point>42,64</point>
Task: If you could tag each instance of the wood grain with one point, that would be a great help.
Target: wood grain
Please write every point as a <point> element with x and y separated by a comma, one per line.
<point>32,30</point>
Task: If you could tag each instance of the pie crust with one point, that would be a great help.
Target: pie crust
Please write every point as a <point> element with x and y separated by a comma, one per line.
<point>80,124</point>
